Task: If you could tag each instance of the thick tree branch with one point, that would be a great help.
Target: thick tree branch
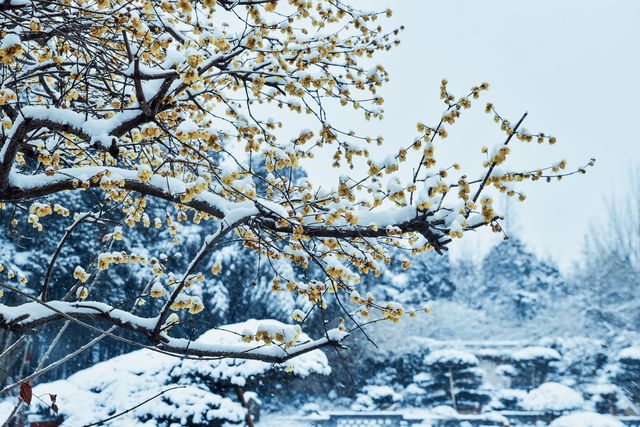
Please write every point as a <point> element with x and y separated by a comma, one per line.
<point>32,187</point>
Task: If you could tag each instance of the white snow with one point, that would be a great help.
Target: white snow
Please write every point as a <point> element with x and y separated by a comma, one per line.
<point>552,396</point>
<point>451,356</point>
<point>379,391</point>
<point>586,419</point>
<point>536,352</point>
<point>10,40</point>
<point>630,353</point>
<point>122,382</point>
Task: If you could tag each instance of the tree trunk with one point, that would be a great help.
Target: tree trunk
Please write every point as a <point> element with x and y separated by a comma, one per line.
<point>243,402</point>
<point>452,389</point>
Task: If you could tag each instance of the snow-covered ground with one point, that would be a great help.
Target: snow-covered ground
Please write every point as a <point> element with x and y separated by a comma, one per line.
<point>123,382</point>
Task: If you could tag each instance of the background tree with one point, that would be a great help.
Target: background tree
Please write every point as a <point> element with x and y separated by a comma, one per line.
<point>429,277</point>
<point>516,282</point>
<point>626,374</point>
<point>607,280</point>
<point>533,365</point>
<point>452,377</point>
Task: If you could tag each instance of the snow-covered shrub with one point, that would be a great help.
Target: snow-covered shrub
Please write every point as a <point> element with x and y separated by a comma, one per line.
<point>586,419</point>
<point>194,392</point>
<point>509,399</point>
<point>627,373</point>
<point>413,394</point>
<point>582,358</point>
<point>552,397</point>
<point>452,377</point>
<point>605,398</point>
<point>532,366</point>
<point>310,409</point>
<point>376,397</point>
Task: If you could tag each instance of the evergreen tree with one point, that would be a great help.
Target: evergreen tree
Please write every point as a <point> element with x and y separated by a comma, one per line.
<point>452,378</point>
<point>605,398</point>
<point>429,276</point>
<point>516,283</point>
<point>627,373</point>
<point>244,286</point>
<point>532,366</point>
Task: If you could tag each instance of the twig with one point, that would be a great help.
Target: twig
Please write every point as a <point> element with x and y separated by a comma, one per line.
<point>493,165</point>
<point>133,407</point>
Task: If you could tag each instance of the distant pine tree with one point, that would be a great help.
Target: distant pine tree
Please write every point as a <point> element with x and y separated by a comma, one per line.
<point>627,373</point>
<point>516,282</point>
<point>243,286</point>
<point>532,366</point>
<point>428,277</point>
<point>453,378</point>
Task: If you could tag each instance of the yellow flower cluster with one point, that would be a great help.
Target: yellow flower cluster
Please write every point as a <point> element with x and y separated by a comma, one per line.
<point>22,279</point>
<point>216,269</point>
<point>157,290</point>
<point>267,338</point>
<point>80,274</point>
<point>393,312</point>
<point>313,291</point>
<point>487,209</point>
<point>82,293</point>
<point>40,209</point>
<point>193,190</point>
<point>106,259</point>
<point>184,301</point>
<point>7,96</point>
<point>34,220</point>
<point>11,52</point>
<point>108,181</point>
<point>145,173</point>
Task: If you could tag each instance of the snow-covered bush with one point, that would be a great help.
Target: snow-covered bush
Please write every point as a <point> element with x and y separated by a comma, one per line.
<point>452,377</point>
<point>508,399</point>
<point>581,358</point>
<point>552,397</point>
<point>627,373</point>
<point>376,397</point>
<point>604,397</point>
<point>532,365</point>
<point>586,419</point>
<point>194,392</point>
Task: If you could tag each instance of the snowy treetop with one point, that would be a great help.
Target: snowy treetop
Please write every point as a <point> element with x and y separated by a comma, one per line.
<point>453,357</point>
<point>535,352</point>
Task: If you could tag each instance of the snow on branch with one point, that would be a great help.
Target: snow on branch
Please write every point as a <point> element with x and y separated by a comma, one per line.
<point>32,315</point>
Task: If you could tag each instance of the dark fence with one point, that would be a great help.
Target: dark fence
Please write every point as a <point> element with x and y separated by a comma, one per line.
<point>357,419</point>
<point>396,419</point>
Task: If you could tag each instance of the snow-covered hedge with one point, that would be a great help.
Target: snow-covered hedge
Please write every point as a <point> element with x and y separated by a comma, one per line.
<point>552,397</point>
<point>586,419</point>
<point>120,383</point>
